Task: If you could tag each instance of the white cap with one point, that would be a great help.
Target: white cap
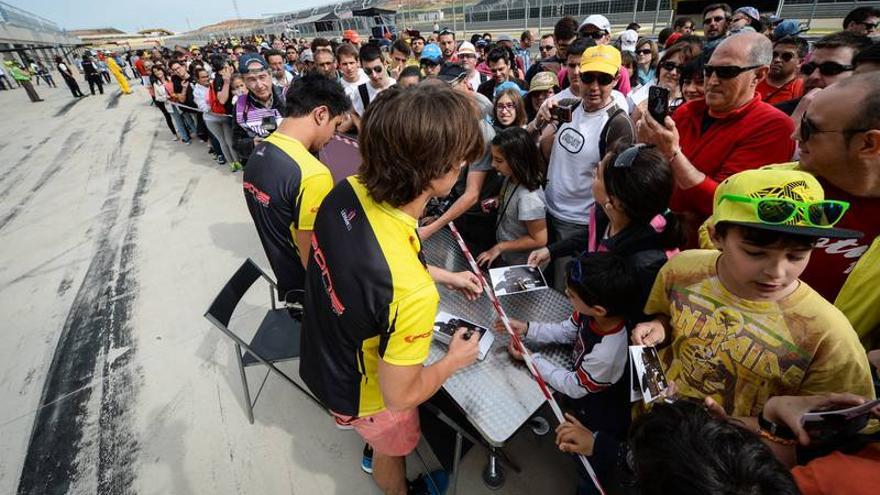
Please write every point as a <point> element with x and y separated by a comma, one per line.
<point>467,47</point>
<point>600,21</point>
<point>628,40</point>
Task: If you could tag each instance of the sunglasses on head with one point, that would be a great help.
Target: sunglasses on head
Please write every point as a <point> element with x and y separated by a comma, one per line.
<point>726,71</point>
<point>776,211</point>
<point>717,19</point>
<point>825,68</point>
<point>629,155</point>
<point>808,128</point>
<point>377,69</point>
<point>591,77</point>
<point>784,56</point>
<point>670,66</point>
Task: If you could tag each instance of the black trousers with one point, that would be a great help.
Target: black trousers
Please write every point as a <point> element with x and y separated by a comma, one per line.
<point>93,80</point>
<point>74,87</point>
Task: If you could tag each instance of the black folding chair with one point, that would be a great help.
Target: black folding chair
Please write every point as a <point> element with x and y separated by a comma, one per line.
<point>276,339</point>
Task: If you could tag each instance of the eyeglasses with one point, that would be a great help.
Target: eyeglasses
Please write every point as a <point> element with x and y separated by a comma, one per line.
<point>670,66</point>
<point>376,70</point>
<point>776,211</point>
<point>591,77</point>
<point>726,71</point>
<point>546,48</point>
<point>596,35</point>
<point>644,51</point>
<point>506,106</point>
<point>784,56</point>
<point>808,128</point>
<point>717,19</point>
<point>825,68</point>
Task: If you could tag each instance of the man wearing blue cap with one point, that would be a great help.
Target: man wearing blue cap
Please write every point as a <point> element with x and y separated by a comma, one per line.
<point>259,114</point>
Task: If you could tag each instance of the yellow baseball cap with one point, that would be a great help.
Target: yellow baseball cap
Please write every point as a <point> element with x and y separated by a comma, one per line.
<point>602,58</point>
<point>787,201</point>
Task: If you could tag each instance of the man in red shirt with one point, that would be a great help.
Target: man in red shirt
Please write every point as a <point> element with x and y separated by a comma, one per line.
<point>731,131</point>
<point>839,138</point>
<point>783,82</point>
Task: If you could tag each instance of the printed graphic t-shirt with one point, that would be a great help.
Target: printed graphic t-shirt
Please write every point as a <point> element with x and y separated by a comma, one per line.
<point>369,297</point>
<point>742,352</point>
<point>284,185</point>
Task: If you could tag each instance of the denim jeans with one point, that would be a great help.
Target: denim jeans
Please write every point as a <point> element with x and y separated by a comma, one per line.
<point>179,124</point>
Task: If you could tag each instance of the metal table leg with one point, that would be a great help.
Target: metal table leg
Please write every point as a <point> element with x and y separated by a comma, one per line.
<point>493,473</point>
<point>453,487</point>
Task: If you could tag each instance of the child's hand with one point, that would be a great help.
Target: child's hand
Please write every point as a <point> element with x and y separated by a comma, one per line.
<point>573,437</point>
<point>514,351</point>
<point>487,257</point>
<point>520,327</point>
<point>649,333</point>
<point>539,256</point>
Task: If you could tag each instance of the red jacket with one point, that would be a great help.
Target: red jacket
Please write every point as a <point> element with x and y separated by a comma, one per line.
<point>751,136</point>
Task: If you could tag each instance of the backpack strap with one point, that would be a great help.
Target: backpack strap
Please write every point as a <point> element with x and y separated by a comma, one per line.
<point>365,96</point>
<point>614,112</point>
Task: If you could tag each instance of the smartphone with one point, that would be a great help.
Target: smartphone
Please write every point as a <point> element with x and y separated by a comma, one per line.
<point>269,124</point>
<point>658,103</point>
<point>561,113</point>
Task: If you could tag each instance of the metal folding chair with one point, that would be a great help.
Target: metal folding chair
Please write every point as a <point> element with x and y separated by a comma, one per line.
<point>276,339</point>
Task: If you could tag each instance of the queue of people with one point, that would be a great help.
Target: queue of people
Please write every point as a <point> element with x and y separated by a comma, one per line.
<point>711,196</point>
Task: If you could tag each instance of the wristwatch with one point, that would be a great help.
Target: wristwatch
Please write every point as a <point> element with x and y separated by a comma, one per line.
<point>778,431</point>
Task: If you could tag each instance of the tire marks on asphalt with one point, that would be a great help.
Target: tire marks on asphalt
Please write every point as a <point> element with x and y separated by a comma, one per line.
<point>94,356</point>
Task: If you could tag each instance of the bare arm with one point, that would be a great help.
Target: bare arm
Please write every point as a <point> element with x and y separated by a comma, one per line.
<point>223,95</point>
<point>536,238</point>
<point>405,387</point>
<point>303,239</point>
<point>470,197</point>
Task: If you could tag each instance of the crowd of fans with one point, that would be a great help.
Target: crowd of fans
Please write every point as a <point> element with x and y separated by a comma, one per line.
<point>734,227</point>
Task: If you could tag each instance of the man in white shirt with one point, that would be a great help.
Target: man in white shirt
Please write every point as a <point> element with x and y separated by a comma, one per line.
<point>573,73</point>
<point>467,57</point>
<point>597,126</point>
<point>379,80</point>
<point>280,76</point>
<point>348,61</point>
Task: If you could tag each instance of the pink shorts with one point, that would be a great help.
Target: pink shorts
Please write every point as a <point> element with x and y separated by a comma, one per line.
<point>390,433</point>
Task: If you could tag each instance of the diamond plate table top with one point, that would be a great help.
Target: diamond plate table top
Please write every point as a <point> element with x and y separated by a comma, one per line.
<point>497,394</point>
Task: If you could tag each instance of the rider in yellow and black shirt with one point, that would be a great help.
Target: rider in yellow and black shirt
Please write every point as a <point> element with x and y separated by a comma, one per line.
<point>370,298</point>
<point>284,183</point>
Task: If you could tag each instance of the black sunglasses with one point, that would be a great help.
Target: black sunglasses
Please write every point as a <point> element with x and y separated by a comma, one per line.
<point>591,77</point>
<point>428,63</point>
<point>596,35</point>
<point>808,128</point>
<point>825,68</point>
<point>377,69</point>
<point>726,71</point>
<point>644,51</point>
<point>547,48</point>
<point>868,25</point>
<point>715,19</point>
<point>784,56</point>
<point>670,66</point>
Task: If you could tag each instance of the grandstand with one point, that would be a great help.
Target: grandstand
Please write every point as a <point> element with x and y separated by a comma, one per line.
<point>25,35</point>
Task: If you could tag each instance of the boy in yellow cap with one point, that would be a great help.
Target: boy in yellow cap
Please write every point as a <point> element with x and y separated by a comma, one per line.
<point>737,324</point>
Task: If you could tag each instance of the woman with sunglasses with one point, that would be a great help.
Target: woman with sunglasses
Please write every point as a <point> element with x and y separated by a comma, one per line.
<point>629,216</point>
<point>668,76</point>
<point>646,63</point>
<point>510,110</point>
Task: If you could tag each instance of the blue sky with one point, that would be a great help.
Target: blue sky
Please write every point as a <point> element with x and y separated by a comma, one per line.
<point>168,14</point>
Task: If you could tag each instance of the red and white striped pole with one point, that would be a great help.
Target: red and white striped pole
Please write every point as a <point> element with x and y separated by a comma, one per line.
<point>527,357</point>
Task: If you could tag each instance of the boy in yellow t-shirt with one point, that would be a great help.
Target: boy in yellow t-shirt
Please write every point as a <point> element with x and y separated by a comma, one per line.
<point>736,324</point>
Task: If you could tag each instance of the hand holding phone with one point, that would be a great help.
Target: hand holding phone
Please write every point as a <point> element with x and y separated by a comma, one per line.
<point>658,103</point>
<point>269,124</point>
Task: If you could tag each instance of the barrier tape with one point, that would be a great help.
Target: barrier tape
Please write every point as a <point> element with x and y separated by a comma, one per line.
<point>180,105</point>
<point>527,356</point>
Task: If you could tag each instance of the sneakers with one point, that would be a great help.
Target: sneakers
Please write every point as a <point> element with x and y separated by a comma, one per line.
<point>235,166</point>
<point>367,460</point>
<point>433,483</point>
<point>221,160</point>
<point>342,425</point>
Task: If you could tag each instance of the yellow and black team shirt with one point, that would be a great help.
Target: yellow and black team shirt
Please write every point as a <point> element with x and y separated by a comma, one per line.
<point>369,296</point>
<point>284,185</point>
